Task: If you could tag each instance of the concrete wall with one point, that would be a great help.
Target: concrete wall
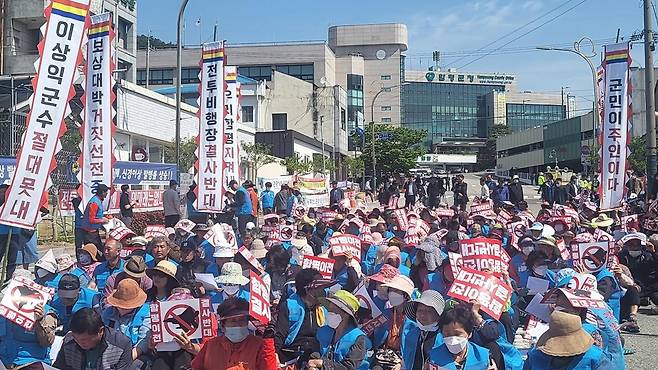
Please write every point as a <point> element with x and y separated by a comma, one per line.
<point>527,159</point>
<point>350,64</point>
<point>517,139</point>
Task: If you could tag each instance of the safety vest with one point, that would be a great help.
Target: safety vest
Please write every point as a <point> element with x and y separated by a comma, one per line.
<point>132,328</point>
<point>368,261</point>
<point>103,271</point>
<point>437,283</point>
<point>512,357</point>
<point>410,335</point>
<point>99,214</point>
<point>245,208</point>
<point>296,314</point>
<point>87,299</point>
<point>267,199</point>
<point>216,298</point>
<point>339,351</point>
<point>606,325</point>
<point>80,273</point>
<point>615,298</point>
<point>477,358</point>
<point>19,346</point>
<point>590,360</point>
<point>341,277</point>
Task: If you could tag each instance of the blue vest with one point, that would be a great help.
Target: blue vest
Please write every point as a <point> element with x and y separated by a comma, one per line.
<point>477,358</point>
<point>615,298</point>
<point>80,273</point>
<point>103,271</point>
<point>518,263</point>
<point>245,208</point>
<point>79,217</point>
<point>216,298</point>
<point>88,299</point>
<point>208,251</point>
<point>342,348</point>
<point>512,357</point>
<point>267,199</point>
<point>409,342</point>
<point>132,330</point>
<point>296,314</point>
<point>437,283</point>
<point>85,219</point>
<point>191,211</point>
<point>608,328</point>
<point>341,277</point>
<point>150,262</point>
<point>593,359</point>
<point>368,261</point>
<point>19,346</point>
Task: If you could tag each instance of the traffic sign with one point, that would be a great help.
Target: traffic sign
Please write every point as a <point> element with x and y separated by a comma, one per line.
<point>384,135</point>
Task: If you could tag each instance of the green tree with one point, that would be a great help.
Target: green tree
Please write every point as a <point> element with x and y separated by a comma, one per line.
<point>258,155</point>
<point>296,165</point>
<point>187,153</point>
<point>487,155</point>
<point>317,164</point>
<point>156,43</point>
<point>396,148</point>
<point>638,157</point>
<point>355,166</point>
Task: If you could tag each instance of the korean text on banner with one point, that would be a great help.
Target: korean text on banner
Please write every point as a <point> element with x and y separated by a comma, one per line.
<point>484,253</point>
<point>189,316</point>
<point>60,55</point>
<point>97,131</point>
<point>324,265</point>
<point>491,292</point>
<point>593,257</point>
<point>342,244</point>
<point>482,208</point>
<point>615,126</point>
<point>210,143</point>
<point>259,299</point>
<point>21,297</point>
<point>231,152</point>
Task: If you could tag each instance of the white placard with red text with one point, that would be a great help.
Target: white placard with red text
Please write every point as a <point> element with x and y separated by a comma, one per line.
<point>21,297</point>
<point>231,152</point>
<point>483,253</point>
<point>491,292</point>
<point>342,244</point>
<point>259,299</point>
<point>324,265</point>
<point>190,316</point>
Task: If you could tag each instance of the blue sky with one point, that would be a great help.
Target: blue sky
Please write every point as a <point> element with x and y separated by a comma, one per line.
<point>448,26</point>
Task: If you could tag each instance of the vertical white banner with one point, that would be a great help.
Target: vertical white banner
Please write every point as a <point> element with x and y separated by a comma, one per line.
<point>210,141</point>
<point>59,52</point>
<point>615,126</point>
<point>231,156</point>
<point>97,147</point>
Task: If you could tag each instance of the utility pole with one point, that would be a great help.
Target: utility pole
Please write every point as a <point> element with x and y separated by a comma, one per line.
<point>650,115</point>
<point>324,173</point>
<point>214,32</point>
<point>179,72</point>
<point>148,57</point>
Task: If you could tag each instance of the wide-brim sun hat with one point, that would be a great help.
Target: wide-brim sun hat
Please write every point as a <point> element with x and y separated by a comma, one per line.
<point>128,295</point>
<point>232,274</point>
<point>537,226</point>
<point>258,249</point>
<point>565,336</point>
<point>92,250</point>
<point>344,300</point>
<point>429,298</point>
<point>401,283</point>
<point>547,240</point>
<point>166,267</point>
<point>602,220</point>
<point>299,243</point>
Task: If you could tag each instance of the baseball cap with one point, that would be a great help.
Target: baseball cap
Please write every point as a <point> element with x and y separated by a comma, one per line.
<point>68,286</point>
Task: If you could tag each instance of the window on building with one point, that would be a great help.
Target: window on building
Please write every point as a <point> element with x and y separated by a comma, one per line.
<point>279,121</point>
<point>386,89</point>
<point>124,29</point>
<point>141,77</point>
<point>189,76</point>
<point>343,119</point>
<point>156,152</point>
<point>301,71</point>
<point>161,76</point>
<point>258,73</point>
<point>247,113</point>
<point>386,119</point>
<point>386,108</point>
<point>385,77</point>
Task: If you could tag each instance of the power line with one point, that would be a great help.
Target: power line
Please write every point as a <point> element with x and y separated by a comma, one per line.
<point>524,34</point>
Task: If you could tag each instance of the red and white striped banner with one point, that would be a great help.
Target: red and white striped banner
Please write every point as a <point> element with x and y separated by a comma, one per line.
<point>210,148</point>
<point>96,150</point>
<point>231,153</point>
<point>59,51</point>
<point>614,135</point>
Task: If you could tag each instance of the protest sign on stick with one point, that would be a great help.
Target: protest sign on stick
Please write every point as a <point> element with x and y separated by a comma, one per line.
<point>491,292</point>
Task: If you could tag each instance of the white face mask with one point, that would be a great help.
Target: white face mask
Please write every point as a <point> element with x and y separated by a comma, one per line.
<point>455,344</point>
<point>428,328</point>
<point>540,270</point>
<point>528,250</point>
<point>395,299</point>
<point>333,320</point>
<point>231,289</point>
<point>635,254</point>
<point>381,293</point>
<point>236,334</point>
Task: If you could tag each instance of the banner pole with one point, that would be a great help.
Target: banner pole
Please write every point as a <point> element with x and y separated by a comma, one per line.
<point>5,265</point>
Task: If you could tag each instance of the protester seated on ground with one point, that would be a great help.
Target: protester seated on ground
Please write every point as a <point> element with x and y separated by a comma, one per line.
<point>134,269</point>
<point>457,350</point>
<point>642,261</point>
<point>566,345</point>
<point>45,269</point>
<point>236,348</point>
<point>92,345</point>
<point>537,267</point>
<point>160,248</point>
<point>70,298</point>
<point>164,280</point>
<point>346,271</point>
<point>398,291</point>
<point>127,312</point>
<point>421,333</point>
<point>232,283</point>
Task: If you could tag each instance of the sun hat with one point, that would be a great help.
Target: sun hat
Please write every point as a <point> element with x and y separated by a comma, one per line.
<point>64,262</point>
<point>48,262</point>
<point>250,225</point>
<point>135,267</point>
<point>385,274</point>
<point>547,240</point>
<point>515,177</point>
<point>128,295</point>
<point>429,298</point>
<point>166,267</point>
<point>139,241</point>
<point>344,300</point>
<point>401,283</point>
<point>508,203</point>
<point>377,238</point>
<point>602,220</point>
<point>223,252</point>
<point>392,252</point>
<point>92,250</point>
<point>565,336</point>
<point>68,286</point>
<point>201,227</point>
<point>537,226</point>
<point>308,220</point>
<point>258,249</point>
<point>232,274</point>
<point>299,241</point>
<point>270,217</point>
<point>185,225</point>
<point>634,236</point>
<point>376,221</point>
<point>170,231</point>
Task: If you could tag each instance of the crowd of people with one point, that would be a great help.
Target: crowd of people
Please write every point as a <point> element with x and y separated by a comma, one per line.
<point>383,306</point>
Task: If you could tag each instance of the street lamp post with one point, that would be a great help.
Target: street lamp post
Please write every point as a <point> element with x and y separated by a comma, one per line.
<point>577,50</point>
<point>372,122</point>
<point>179,51</point>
